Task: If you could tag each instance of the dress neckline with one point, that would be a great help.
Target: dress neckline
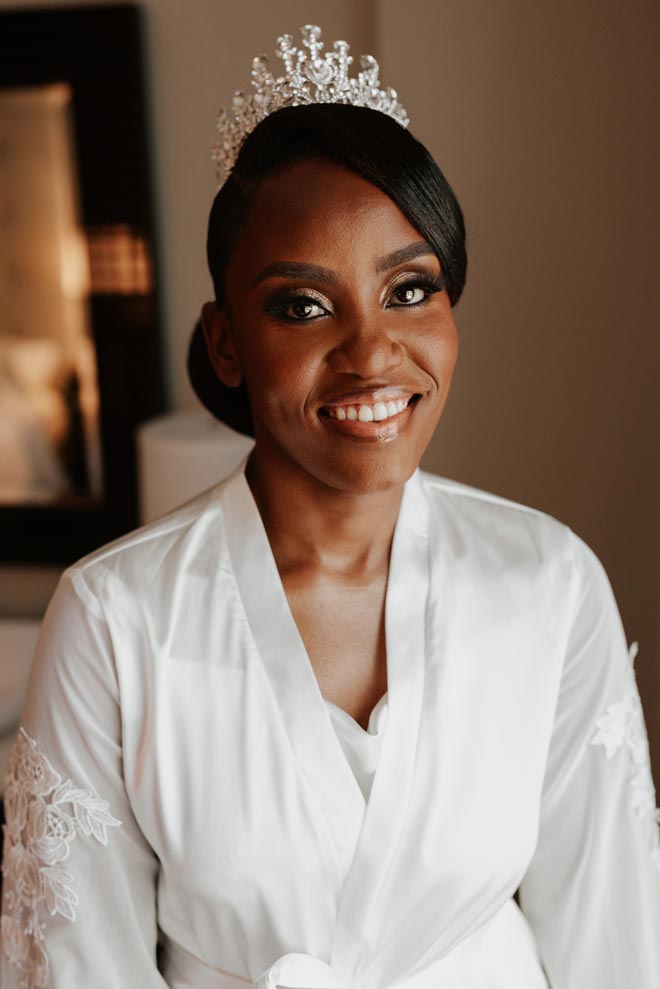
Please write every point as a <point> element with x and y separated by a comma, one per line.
<point>375,723</point>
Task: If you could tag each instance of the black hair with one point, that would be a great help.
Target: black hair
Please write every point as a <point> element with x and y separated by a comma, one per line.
<point>369,143</point>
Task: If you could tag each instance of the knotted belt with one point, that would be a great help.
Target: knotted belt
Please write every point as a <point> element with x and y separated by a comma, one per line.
<point>296,971</point>
<point>489,949</point>
<point>292,971</point>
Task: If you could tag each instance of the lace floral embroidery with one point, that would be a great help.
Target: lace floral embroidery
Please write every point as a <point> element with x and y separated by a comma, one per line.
<point>44,814</point>
<point>622,726</point>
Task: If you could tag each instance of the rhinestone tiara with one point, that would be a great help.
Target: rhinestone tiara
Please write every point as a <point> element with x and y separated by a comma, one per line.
<point>309,78</point>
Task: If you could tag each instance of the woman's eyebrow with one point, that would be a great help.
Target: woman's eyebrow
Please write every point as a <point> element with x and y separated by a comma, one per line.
<point>409,253</point>
<point>296,269</point>
<point>313,272</point>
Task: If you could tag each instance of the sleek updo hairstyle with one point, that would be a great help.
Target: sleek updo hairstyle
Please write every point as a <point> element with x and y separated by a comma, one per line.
<point>365,141</point>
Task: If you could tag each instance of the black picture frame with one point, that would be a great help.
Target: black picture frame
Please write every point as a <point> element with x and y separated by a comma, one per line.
<point>98,52</point>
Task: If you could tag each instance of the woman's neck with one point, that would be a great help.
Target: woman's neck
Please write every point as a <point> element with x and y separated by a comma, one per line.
<point>311,525</point>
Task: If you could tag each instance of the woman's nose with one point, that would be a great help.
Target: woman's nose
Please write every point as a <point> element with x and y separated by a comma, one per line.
<point>367,350</point>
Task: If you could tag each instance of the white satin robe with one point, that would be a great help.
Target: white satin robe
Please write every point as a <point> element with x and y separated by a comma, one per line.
<point>178,775</point>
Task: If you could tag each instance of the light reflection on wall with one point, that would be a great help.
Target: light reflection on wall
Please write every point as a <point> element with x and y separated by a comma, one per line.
<point>49,404</point>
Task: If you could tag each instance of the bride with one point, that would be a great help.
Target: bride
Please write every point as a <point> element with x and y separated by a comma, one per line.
<point>335,722</point>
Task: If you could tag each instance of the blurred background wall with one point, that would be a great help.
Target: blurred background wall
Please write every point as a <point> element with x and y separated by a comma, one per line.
<point>545,118</point>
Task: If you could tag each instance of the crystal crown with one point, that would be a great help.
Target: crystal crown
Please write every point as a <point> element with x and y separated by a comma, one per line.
<point>310,77</point>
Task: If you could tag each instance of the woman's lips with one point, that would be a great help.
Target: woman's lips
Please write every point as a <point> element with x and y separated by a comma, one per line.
<point>378,419</point>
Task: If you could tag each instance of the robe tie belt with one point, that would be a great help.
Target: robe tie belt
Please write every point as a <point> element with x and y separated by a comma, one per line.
<point>502,952</point>
<point>299,971</point>
<point>292,971</point>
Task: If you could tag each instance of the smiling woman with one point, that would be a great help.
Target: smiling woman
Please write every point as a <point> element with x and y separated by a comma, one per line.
<point>317,727</point>
<point>366,324</point>
<point>363,143</point>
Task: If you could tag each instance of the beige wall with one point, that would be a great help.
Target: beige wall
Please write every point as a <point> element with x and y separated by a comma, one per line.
<point>545,118</point>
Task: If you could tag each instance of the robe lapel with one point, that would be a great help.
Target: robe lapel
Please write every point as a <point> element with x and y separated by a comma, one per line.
<point>290,674</point>
<point>405,628</point>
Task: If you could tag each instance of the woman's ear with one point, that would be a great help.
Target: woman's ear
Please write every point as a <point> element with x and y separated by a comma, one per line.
<point>220,345</point>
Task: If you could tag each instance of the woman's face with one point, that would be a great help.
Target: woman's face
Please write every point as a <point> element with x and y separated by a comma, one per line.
<point>336,317</point>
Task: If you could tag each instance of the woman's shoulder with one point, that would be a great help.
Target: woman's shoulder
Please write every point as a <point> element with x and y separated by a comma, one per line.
<point>491,524</point>
<point>476,498</point>
<point>159,550</point>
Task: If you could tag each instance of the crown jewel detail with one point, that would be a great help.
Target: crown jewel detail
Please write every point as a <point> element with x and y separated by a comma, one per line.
<point>310,77</point>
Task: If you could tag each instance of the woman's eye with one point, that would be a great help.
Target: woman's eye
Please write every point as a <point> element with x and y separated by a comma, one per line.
<point>410,295</point>
<point>303,309</point>
<point>295,307</point>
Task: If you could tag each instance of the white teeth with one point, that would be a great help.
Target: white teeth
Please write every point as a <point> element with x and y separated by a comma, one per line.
<point>368,413</point>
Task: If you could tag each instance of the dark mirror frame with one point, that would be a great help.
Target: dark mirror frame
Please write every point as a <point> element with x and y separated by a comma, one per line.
<point>98,51</point>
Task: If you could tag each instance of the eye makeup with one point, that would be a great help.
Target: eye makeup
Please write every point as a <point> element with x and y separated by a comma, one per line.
<point>427,283</point>
<point>278,302</point>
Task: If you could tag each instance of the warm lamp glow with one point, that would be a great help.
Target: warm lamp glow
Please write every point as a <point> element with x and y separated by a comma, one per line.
<point>119,261</point>
<point>49,405</point>
<point>74,264</point>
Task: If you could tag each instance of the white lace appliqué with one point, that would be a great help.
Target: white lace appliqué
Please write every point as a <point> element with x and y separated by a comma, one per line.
<point>44,814</point>
<point>621,726</point>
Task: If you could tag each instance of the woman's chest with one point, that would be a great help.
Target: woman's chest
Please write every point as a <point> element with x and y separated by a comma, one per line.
<point>239,781</point>
<point>342,627</point>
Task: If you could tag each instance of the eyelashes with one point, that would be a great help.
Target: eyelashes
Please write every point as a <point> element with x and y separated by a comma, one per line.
<point>429,286</point>
<point>283,303</point>
<point>304,306</point>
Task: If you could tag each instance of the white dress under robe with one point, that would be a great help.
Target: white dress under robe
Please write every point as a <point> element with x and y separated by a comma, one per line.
<point>178,775</point>
<point>361,748</point>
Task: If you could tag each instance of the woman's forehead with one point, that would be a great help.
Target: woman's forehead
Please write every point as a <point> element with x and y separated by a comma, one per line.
<point>319,212</point>
<point>307,184</point>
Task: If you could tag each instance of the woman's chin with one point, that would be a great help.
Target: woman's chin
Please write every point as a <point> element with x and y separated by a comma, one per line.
<point>338,463</point>
<point>364,476</point>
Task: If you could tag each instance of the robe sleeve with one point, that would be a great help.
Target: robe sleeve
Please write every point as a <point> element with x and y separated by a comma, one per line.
<point>592,890</point>
<point>79,878</point>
